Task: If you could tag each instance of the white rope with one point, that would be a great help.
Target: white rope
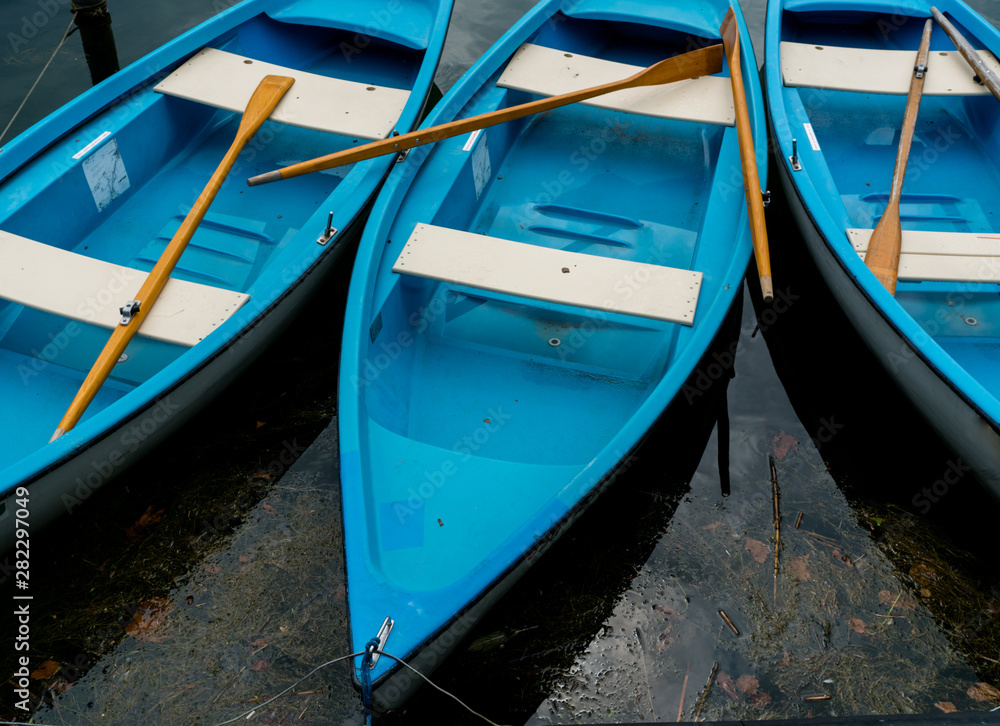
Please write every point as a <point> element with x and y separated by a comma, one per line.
<point>31,90</point>
<point>245,714</point>
<point>435,685</point>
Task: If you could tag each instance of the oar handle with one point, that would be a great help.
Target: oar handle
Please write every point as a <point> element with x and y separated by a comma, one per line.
<point>701,62</point>
<point>985,73</point>
<point>748,156</point>
<point>262,103</point>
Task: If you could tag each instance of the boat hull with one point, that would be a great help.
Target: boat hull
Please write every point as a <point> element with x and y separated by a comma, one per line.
<point>936,334</point>
<point>61,490</point>
<point>394,690</point>
<point>973,437</point>
<point>480,416</point>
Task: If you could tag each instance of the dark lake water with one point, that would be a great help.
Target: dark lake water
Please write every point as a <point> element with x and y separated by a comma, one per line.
<point>211,577</point>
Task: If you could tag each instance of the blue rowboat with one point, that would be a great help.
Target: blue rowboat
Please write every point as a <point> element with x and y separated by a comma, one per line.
<point>93,193</point>
<point>526,302</point>
<point>837,77</point>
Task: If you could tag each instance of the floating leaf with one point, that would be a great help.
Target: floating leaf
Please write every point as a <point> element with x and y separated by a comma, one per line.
<point>664,609</point>
<point>260,665</point>
<point>150,620</point>
<point>800,568</point>
<point>489,642</point>
<point>245,558</point>
<point>858,626</point>
<point>146,519</point>
<point>983,692</point>
<point>748,684</point>
<point>725,682</point>
<point>946,706</point>
<point>713,526</point>
<point>838,555</point>
<point>259,643</point>
<point>783,444</point>
<point>760,699</point>
<point>45,671</point>
<point>268,508</point>
<point>923,574</point>
<point>60,686</point>
<point>758,550</point>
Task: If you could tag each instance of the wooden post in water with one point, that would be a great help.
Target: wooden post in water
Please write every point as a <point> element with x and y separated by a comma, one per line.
<point>94,22</point>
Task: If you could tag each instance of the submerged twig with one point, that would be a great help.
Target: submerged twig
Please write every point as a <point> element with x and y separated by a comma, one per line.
<point>704,693</point>
<point>645,672</point>
<point>228,685</point>
<point>777,523</point>
<point>798,521</point>
<point>817,698</point>
<point>680,708</point>
<point>729,622</point>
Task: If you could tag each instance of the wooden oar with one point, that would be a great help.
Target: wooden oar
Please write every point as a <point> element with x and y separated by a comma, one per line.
<point>883,249</point>
<point>262,103</point>
<point>748,155</point>
<point>702,62</point>
<point>985,73</point>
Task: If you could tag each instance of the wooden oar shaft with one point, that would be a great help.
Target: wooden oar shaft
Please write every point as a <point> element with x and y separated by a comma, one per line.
<point>702,62</point>
<point>985,73</point>
<point>261,104</point>
<point>882,257</point>
<point>748,156</point>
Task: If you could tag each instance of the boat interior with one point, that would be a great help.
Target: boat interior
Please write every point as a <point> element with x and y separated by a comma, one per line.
<point>482,381</point>
<point>117,186</point>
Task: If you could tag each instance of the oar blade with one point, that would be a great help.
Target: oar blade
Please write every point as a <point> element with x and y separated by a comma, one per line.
<point>701,62</point>
<point>884,247</point>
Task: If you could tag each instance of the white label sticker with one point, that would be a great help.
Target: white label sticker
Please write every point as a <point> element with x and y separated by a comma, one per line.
<point>812,136</point>
<point>480,165</point>
<point>91,145</point>
<point>106,174</point>
<point>471,140</point>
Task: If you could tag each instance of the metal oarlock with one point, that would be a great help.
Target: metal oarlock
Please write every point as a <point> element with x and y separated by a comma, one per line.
<point>794,158</point>
<point>129,310</point>
<point>329,232</point>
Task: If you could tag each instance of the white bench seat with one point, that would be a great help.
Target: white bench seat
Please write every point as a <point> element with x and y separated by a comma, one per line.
<point>945,256</point>
<point>550,275</point>
<point>550,72</point>
<point>864,70</point>
<point>86,289</point>
<point>226,80</point>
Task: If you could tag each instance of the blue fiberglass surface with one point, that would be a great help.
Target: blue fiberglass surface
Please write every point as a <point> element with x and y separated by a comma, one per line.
<point>260,241</point>
<point>952,182</point>
<point>466,435</point>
